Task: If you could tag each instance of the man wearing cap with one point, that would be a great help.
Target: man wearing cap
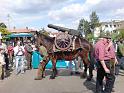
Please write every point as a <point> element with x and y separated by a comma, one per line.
<point>44,54</point>
<point>103,58</point>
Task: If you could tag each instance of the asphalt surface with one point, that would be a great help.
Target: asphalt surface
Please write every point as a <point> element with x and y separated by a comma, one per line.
<point>64,83</point>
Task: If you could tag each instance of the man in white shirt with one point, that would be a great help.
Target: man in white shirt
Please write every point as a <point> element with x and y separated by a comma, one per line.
<point>19,57</point>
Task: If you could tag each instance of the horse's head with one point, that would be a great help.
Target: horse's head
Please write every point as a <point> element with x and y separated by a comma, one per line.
<point>46,40</point>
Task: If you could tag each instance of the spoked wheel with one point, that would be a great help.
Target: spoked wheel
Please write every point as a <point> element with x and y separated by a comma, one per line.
<point>63,41</point>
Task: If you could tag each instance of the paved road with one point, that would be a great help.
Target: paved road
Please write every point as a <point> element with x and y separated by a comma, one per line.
<point>64,83</point>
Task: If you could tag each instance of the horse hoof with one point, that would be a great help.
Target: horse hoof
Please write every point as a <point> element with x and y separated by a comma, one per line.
<point>38,78</point>
<point>51,77</point>
<point>89,78</point>
<point>77,73</point>
<point>43,76</point>
<point>83,75</point>
<point>71,73</point>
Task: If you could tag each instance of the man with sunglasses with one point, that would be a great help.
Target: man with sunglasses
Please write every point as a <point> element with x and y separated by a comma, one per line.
<point>103,57</point>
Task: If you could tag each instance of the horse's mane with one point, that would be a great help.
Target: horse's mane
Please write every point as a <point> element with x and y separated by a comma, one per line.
<point>47,36</point>
<point>47,41</point>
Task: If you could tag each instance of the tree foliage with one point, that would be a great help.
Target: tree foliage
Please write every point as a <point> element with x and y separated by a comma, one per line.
<point>90,37</point>
<point>94,20</point>
<point>121,34</point>
<point>116,35</point>
<point>3,29</point>
<point>3,25</point>
<point>88,27</point>
<point>84,26</point>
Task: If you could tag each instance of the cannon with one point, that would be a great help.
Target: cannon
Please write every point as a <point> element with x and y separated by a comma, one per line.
<point>63,29</point>
<point>63,41</point>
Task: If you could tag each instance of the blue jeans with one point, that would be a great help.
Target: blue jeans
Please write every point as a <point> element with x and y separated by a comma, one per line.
<point>19,62</point>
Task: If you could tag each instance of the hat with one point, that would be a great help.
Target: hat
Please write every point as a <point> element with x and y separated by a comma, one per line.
<point>105,36</point>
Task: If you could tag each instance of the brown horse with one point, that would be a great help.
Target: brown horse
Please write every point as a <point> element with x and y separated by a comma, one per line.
<point>83,50</point>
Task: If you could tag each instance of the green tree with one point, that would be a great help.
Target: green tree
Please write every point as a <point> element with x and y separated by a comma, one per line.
<point>3,25</point>
<point>121,34</point>
<point>3,29</point>
<point>84,26</point>
<point>94,21</point>
<point>90,37</point>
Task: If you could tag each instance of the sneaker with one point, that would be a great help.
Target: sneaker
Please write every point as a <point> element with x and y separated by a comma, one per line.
<point>22,72</point>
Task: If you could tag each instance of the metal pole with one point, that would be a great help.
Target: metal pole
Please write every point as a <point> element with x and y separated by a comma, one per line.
<point>8,19</point>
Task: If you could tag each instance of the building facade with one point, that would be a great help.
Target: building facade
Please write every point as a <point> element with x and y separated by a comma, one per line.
<point>109,27</point>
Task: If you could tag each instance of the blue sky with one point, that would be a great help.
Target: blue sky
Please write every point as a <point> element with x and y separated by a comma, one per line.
<point>39,13</point>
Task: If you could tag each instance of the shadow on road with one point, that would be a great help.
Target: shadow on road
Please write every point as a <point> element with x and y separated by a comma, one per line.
<point>121,72</point>
<point>62,72</point>
<point>90,85</point>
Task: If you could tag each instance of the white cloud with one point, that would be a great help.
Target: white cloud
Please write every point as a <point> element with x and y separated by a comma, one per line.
<point>82,9</point>
<point>27,19</point>
<point>75,10</point>
<point>92,2</point>
<point>120,11</point>
<point>28,6</point>
<point>66,12</point>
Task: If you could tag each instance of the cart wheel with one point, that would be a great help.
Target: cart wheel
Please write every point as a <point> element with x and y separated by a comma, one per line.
<point>63,41</point>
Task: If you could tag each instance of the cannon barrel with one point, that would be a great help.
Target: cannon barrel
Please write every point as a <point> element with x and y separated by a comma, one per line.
<point>63,29</point>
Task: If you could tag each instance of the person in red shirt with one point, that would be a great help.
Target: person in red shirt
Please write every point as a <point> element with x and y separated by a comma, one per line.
<point>103,58</point>
<point>10,53</point>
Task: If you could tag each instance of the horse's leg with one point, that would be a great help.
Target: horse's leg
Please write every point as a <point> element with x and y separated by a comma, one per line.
<point>80,63</point>
<point>84,57</point>
<point>54,73</point>
<point>84,74</point>
<point>70,65</point>
<point>88,63</point>
<point>91,66</point>
<point>41,69</point>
